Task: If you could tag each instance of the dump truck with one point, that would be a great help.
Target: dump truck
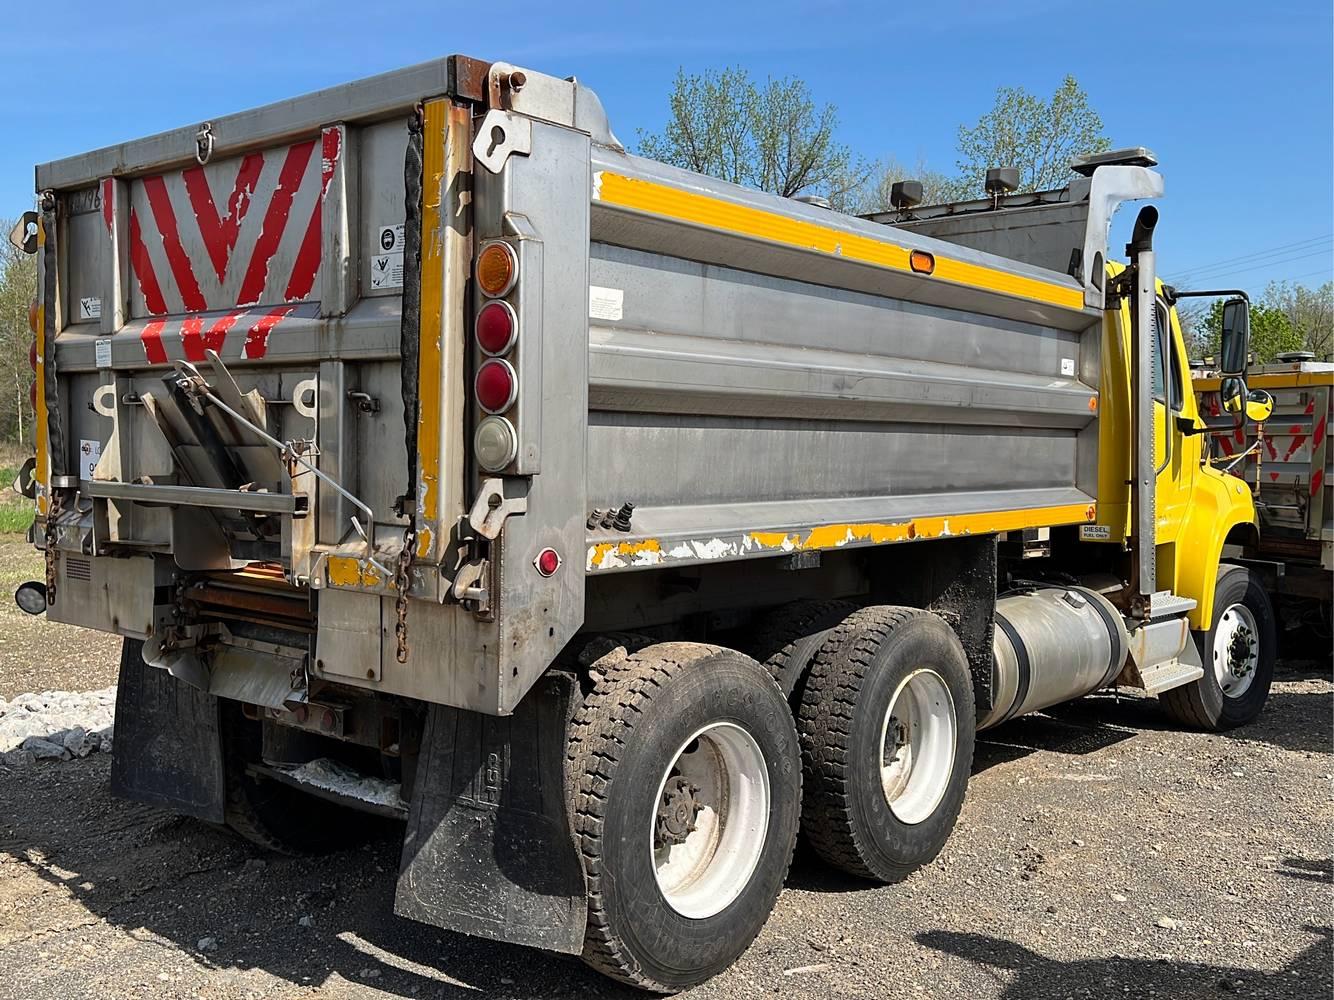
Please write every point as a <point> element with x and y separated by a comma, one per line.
<point>602,523</point>
<point>1290,464</point>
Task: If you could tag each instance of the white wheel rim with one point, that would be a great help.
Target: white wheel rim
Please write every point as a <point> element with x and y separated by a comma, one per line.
<point>917,742</point>
<point>1236,652</point>
<point>710,819</point>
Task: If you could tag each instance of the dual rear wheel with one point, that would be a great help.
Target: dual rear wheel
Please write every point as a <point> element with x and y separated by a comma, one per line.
<point>687,767</point>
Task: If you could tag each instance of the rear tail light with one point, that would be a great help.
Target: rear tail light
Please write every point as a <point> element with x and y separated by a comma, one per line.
<point>33,310</point>
<point>32,355</point>
<point>496,327</point>
<point>496,386</point>
<point>497,268</point>
<point>32,394</point>
<point>495,443</point>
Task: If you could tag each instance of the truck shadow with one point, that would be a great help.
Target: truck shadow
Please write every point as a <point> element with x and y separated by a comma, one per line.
<point>236,912</point>
<point>1031,975</point>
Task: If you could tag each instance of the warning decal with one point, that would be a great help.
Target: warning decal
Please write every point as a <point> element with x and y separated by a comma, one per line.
<point>387,258</point>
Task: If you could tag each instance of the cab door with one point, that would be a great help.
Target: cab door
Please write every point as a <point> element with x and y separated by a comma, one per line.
<point>1176,454</point>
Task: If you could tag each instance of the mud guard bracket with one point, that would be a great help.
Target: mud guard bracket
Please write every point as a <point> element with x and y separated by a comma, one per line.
<point>489,849</point>
<point>168,746</point>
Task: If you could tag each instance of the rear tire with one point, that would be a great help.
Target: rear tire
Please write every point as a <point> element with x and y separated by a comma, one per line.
<point>887,732</point>
<point>1238,653</point>
<point>789,637</point>
<point>682,744</point>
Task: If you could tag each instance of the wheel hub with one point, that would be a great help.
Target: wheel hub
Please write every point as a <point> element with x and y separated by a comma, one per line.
<point>1236,650</point>
<point>677,811</point>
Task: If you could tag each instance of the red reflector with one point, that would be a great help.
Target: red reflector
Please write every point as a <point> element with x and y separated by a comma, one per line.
<point>496,327</point>
<point>32,355</point>
<point>547,562</point>
<point>496,386</point>
<point>32,395</point>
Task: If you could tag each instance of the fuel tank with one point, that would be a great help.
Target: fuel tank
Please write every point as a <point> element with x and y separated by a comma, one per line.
<point>1052,644</point>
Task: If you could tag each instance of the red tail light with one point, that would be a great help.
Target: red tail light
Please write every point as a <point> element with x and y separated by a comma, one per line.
<point>32,355</point>
<point>32,394</point>
<point>496,386</point>
<point>496,327</point>
<point>33,310</point>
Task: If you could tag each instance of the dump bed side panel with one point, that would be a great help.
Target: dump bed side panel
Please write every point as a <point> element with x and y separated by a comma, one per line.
<point>765,376</point>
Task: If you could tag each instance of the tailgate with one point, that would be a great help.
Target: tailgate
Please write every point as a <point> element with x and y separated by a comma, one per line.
<point>262,256</point>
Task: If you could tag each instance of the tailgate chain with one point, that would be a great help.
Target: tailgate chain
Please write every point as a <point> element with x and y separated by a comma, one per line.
<point>52,512</point>
<point>402,582</point>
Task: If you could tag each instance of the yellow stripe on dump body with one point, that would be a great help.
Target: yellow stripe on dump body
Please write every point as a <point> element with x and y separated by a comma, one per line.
<point>704,210</point>
<point>42,468</point>
<point>430,352</point>
<point>655,551</point>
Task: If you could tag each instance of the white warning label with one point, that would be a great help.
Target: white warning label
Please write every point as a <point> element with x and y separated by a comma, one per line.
<point>89,453</point>
<point>605,303</point>
<point>90,307</point>
<point>387,257</point>
<point>102,352</point>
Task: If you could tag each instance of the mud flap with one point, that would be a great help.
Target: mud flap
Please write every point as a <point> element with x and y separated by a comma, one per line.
<point>489,849</point>
<point>168,748</point>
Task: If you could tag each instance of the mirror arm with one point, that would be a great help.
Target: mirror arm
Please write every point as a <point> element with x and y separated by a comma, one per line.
<point>1188,429</point>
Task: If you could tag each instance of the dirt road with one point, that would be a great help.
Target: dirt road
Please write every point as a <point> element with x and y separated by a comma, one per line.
<point>1100,854</point>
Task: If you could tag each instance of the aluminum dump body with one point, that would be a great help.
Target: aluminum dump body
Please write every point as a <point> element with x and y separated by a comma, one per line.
<point>757,376</point>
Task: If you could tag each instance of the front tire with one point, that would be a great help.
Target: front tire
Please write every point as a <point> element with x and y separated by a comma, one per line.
<point>887,730</point>
<point>1238,653</point>
<point>684,767</point>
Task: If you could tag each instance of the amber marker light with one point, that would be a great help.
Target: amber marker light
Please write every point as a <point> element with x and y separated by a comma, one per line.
<point>497,268</point>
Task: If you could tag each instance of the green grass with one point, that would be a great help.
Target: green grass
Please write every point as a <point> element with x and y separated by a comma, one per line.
<point>16,512</point>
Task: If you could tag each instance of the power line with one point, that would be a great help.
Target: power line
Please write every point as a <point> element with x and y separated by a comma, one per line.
<point>1224,275</point>
<point>1278,250</point>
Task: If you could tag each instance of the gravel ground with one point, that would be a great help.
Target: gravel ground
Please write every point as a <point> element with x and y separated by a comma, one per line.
<point>71,658</point>
<point>1100,854</point>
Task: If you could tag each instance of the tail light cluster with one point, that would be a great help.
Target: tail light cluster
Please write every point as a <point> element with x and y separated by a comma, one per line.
<point>496,330</point>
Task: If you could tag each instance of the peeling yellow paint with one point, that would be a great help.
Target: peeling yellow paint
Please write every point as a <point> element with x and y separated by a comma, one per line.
<point>42,469</point>
<point>651,551</point>
<point>343,571</point>
<point>424,539</point>
<point>430,378</point>
<point>346,571</point>
<point>604,549</point>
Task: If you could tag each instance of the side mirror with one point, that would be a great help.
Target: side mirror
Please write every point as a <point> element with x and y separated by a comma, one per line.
<point>1236,337</point>
<point>24,234</point>
<point>1232,391</point>
<point>1259,405</point>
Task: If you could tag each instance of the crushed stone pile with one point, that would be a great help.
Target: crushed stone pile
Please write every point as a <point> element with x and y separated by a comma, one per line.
<point>56,725</point>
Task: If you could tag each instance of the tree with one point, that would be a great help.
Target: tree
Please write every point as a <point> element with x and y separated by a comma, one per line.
<point>1310,312</point>
<point>18,286</point>
<point>771,136</point>
<point>1271,332</point>
<point>1038,137</point>
<point>872,193</point>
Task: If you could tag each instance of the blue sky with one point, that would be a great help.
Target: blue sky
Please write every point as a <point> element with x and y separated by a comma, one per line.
<point>1235,98</point>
